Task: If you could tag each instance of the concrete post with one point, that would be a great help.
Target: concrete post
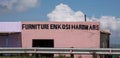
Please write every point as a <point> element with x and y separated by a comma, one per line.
<point>94,55</point>
<point>71,55</point>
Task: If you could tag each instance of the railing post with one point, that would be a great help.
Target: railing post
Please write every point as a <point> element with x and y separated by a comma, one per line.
<point>71,55</point>
<point>94,55</point>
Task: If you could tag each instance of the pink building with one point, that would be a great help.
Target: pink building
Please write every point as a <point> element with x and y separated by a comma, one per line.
<point>50,34</point>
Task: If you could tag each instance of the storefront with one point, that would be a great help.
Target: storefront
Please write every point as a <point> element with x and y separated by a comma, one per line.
<point>51,34</point>
<point>61,34</point>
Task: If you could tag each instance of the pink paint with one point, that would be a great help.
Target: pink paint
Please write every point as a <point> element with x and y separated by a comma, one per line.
<point>64,38</point>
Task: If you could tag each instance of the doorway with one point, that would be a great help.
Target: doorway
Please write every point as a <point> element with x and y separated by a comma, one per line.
<point>45,43</point>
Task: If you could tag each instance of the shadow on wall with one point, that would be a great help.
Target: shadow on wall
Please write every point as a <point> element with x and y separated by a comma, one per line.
<point>10,39</point>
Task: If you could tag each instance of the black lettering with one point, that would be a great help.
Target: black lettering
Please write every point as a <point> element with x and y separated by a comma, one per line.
<point>97,27</point>
<point>94,27</point>
<point>60,26</point>
<point>44,26</point>
<point>55,26</point>
<point>84,27</point>
<point>72,26</point>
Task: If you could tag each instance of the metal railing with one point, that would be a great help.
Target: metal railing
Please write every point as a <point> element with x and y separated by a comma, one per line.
<point>61,50</point>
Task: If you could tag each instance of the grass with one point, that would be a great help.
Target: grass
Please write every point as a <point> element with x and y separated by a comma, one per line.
<point>16,57</point>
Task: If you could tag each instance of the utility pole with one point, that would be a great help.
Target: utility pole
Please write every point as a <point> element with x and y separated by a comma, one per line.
<point>85,17</point>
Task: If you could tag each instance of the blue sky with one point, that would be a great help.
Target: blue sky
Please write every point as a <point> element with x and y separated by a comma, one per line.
<point>104,11</point>
<point>91,8</point>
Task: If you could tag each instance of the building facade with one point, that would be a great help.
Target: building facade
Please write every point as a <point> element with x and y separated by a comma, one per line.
<point>51,34</point>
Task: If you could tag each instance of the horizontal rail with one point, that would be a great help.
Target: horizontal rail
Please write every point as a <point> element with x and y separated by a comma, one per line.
<point>62,50</point>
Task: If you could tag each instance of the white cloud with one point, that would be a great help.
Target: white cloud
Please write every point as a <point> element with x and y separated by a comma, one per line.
<point>63,13</point>
<point>113,24</point>
<point>26,4</point>
<point>16,5</point>
<point>109,22</point>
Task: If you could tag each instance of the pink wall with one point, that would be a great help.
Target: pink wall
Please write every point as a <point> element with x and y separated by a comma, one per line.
<point>63,38</point>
